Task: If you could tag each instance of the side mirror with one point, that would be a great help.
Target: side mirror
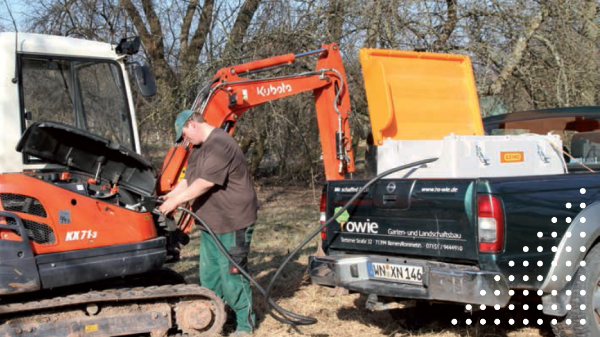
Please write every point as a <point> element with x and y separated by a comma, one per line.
<point>129,46</point>
<point>144,79</point>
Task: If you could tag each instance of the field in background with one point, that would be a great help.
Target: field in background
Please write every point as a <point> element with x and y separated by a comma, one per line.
<point>286,215</point>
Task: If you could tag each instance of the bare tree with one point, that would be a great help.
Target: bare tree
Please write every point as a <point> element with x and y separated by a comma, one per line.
<point>511,62</point>
<point>191,47</point>
<point>151,33</point>
<point>335,19</point>
<point>448,26</point>
<point>525,54</point>
<point>240,27</point>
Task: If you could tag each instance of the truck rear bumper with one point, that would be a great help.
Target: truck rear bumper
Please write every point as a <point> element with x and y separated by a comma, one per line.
<point>441,281</point>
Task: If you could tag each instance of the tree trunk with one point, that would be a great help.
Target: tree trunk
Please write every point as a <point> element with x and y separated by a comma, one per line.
<point>449,26</point>
<point>517,53</point>
<point>590,27</point>
<point>372,26</point>
<point>590,32</point>
<point>245,144</point>
<point>257,155</point>
<point>187,24</point>
<point>190,53</point>
<point>562,82</point>
<point>240,27</point>
<point>335,19</point>
<point>152,40</point>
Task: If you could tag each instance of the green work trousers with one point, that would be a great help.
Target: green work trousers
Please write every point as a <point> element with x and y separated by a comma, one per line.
<point>215,273</point>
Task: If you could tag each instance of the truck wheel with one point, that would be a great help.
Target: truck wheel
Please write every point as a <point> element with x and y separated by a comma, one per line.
<point>591,315</point>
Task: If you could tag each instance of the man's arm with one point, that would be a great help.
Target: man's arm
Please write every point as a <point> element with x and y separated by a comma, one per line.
<point>180,187</point>
<point>196,189</point>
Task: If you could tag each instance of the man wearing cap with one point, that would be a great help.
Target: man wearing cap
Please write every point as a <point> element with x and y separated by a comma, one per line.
<point>217,181</point>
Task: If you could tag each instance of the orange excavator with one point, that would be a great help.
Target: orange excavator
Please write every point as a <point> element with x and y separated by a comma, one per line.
<point>230,94</point>
<point>81,249</point>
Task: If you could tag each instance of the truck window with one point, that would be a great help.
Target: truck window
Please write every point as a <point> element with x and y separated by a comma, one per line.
<point>88,94</point>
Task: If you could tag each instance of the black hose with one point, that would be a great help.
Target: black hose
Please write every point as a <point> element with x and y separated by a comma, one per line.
<point>283,312</point>
<point>289,317</point>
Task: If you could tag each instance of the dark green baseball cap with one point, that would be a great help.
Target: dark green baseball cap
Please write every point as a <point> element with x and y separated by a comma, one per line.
<point>180,121</point>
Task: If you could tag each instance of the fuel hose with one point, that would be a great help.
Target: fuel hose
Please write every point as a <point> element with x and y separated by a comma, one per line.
<point>277,312</point>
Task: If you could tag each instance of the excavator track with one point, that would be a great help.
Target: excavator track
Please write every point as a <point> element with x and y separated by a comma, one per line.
<point>157,311</point>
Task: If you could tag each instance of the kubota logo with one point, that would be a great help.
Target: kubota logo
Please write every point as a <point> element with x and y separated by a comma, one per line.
<point>512,157</point>
<point>270,90</point>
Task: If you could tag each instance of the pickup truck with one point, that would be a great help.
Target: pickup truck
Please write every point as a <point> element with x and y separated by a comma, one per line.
<point>481,240</point>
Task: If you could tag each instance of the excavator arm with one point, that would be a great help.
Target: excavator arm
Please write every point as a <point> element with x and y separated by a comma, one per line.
<point>231,93</point>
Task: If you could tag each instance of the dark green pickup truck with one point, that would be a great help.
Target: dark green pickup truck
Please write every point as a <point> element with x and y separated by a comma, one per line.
<point>478,241</point>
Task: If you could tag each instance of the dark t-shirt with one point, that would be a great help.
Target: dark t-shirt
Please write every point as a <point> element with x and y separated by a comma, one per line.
<point>231,204</point>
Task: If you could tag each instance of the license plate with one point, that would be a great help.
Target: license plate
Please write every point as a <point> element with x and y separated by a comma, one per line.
<point>395,272</point>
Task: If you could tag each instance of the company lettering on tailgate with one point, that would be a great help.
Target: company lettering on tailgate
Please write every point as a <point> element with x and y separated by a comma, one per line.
<point>361,227</point>
<point>512,157</point>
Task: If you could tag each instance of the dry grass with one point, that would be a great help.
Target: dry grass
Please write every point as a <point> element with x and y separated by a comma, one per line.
<point>286,216</point>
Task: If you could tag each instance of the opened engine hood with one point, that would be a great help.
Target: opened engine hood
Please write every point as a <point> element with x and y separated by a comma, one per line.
<point>74,148</point>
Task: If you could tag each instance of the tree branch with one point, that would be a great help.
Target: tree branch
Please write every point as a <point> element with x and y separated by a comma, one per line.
<point>517,52</point>
<point>335,14</point>
<point>562,81</point>
<point>240,27</point>
<point>138,22</point>
<point>187,23</point>
<point>153,40</point>
<point>449,25</point>
<point>190,55</point>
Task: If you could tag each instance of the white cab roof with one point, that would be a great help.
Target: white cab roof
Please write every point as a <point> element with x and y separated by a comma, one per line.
<point>58,45</point>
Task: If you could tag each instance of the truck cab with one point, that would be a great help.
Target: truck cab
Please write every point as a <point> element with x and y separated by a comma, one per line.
<point>80,83</point>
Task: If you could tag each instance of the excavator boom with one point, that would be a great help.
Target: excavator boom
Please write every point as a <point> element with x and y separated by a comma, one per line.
<point>231,93</point>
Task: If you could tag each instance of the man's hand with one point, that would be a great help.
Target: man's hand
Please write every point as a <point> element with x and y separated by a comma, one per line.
<point>179,188</point>
<point>168,206</point>
<point>196,189</point>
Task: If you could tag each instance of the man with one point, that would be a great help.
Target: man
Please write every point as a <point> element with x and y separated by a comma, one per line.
<point>218,182</point>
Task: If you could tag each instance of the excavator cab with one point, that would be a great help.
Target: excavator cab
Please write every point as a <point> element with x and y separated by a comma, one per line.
<point>84,84</point>
<point>76,200</point>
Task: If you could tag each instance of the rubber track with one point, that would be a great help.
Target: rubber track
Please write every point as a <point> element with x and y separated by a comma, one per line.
<point>188,291</point>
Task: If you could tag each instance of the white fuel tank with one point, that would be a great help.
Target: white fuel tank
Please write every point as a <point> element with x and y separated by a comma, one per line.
<point>474,156</point>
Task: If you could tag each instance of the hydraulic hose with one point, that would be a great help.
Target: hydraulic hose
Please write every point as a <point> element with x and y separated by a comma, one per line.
<point>277,312</point>
<point>287,316</point>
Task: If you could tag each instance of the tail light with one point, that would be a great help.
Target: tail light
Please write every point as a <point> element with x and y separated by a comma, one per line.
<point>490,224</point>
<point>323,214</point>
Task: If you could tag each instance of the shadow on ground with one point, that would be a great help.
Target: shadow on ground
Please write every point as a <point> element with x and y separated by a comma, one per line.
<point>435,318</point>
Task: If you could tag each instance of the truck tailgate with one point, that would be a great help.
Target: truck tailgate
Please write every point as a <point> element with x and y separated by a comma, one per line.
<point>426,218</point>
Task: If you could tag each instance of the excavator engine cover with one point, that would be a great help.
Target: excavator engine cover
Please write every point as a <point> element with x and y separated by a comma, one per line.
<point>57,143</point>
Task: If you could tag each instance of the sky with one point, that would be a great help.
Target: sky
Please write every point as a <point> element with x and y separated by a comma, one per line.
<point>18,10</point>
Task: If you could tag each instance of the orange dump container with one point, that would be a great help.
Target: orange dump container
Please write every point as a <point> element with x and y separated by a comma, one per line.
<point>415,95</point>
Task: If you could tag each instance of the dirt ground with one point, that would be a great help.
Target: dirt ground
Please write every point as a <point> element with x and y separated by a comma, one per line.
<point>286,216</point>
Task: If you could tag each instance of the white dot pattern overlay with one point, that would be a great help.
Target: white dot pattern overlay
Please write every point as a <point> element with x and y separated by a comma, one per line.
<point>539,278</point>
